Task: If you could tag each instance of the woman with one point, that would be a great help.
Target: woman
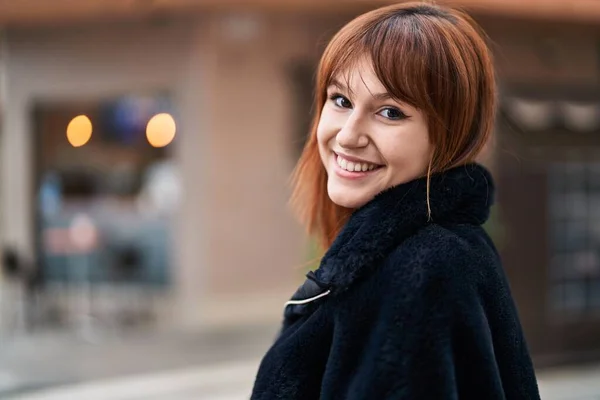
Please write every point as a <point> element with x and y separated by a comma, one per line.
<point>410,300</point>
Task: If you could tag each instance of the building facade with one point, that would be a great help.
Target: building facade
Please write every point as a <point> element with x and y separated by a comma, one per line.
<point>241,84</point>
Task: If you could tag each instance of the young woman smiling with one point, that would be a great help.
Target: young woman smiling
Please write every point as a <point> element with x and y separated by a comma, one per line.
<point>410,300</point>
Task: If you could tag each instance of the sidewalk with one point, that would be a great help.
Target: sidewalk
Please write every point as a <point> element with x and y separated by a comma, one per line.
<point>215,365</point>
<point>223,381</point>
<point>29,364</point>
<point>233,381</point>
<point>570,383</point>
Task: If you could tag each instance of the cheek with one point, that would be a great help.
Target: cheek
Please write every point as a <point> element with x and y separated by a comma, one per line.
<point>322,143</point>
<point>321,136</point>
<point>325,132</point>
<point>404,149</point>
<point>325,128</point>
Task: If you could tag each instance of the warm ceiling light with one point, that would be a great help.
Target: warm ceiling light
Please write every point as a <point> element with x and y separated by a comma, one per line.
<point>79,131</point>
<point>160,130</point>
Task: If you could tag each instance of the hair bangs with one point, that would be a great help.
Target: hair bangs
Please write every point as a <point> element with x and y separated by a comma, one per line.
<point>341,59</point>
<point>396,52</point>
<point>398,55</point>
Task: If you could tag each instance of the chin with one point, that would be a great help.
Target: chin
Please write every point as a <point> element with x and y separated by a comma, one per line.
<point>348,198</point>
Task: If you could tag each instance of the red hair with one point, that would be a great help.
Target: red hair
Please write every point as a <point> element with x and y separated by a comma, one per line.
<point>434,58</point>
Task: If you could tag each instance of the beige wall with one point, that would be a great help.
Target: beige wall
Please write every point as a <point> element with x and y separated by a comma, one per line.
<point>96,62</point>
<point>255,248</point>
<point>237,248</point>
<point>35,12</point>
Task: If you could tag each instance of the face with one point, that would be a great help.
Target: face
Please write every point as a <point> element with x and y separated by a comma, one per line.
<point>368,141</point>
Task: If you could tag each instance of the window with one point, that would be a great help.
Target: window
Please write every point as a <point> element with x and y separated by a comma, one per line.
<point>574,241</point>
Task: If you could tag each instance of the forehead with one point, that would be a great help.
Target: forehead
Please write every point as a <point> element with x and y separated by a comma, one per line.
<point>359,77</point>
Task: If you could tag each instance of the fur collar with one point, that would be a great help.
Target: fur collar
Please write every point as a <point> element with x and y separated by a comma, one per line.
<point>460,195</point>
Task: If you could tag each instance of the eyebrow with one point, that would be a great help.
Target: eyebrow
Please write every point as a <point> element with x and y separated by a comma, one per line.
<point>376,96</point>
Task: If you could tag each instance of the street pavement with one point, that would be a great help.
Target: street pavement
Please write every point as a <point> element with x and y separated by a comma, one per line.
<point>216,361</point>
<point>215,365</point>
<point>233,381</point>
<point>222,381</point>
<point>570,383</point>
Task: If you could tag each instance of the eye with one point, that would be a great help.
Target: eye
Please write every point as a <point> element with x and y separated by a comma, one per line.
<point>393,114</point>
<point>340,101</point>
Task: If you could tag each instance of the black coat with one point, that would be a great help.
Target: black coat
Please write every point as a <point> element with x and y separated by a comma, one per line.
<point>403,307</point>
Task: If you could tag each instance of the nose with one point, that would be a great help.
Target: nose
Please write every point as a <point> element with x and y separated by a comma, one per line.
<point>353,133</point>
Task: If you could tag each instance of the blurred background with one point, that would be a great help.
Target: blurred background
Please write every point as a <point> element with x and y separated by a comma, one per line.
<point>145,149</point>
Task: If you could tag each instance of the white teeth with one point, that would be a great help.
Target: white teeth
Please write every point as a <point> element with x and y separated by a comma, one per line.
<point>354,167</point>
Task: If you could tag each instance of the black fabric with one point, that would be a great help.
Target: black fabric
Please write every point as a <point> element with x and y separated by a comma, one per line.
<point>418,308</point>
<point>310,289</point>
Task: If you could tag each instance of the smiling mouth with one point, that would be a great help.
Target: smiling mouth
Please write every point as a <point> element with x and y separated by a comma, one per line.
<point>354,166</point>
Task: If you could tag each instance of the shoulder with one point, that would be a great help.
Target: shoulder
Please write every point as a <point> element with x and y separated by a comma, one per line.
<point>448,259</point>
